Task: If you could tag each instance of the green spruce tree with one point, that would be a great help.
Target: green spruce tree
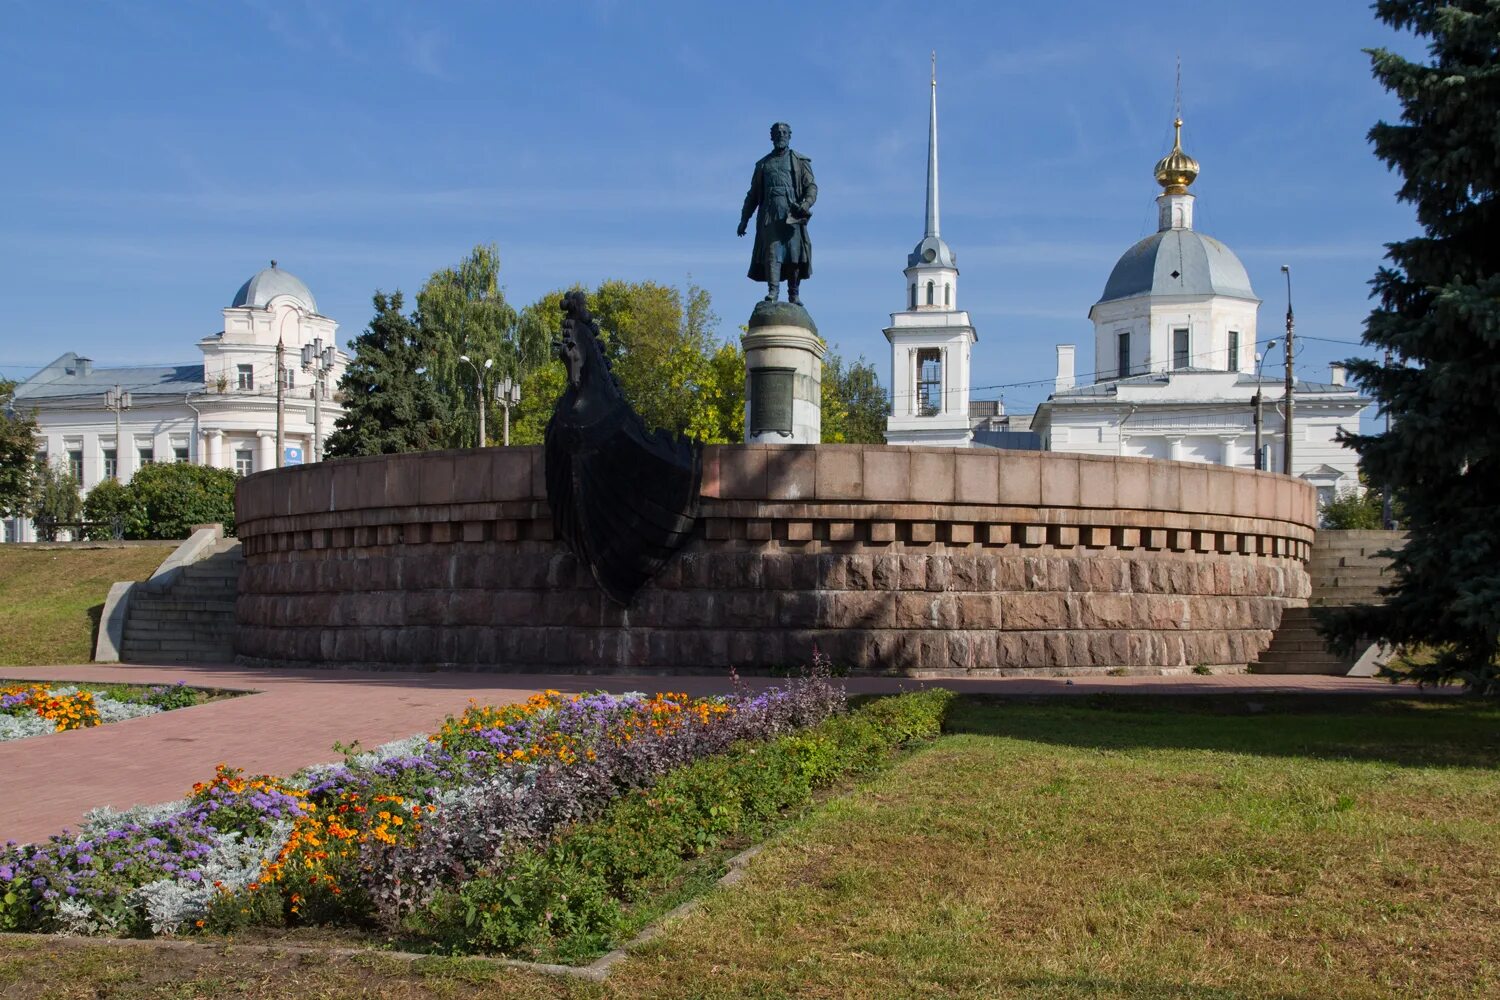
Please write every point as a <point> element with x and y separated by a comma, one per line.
<point>390,406</point>
<point>1439,315</point>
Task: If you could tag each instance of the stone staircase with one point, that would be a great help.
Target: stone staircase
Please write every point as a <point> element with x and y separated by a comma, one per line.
<point>192,620</point>
<point>1345,570</point>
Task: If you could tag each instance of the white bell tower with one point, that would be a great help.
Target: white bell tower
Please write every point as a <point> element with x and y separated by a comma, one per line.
<point>931,339</point>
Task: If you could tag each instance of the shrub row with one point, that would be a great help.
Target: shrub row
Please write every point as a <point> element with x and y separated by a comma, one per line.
<point>568,897</point>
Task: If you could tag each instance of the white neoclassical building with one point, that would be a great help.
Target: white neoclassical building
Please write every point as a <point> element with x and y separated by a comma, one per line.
<point>220,411</point>
<point>931,339</point>
<point>1175,368</point>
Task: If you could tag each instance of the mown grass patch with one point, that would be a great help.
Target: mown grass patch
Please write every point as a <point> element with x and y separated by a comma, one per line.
<point>52,598</point>
<point>1234,847</point>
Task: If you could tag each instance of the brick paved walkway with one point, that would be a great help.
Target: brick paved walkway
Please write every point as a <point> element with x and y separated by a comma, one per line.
<point>48,782</point>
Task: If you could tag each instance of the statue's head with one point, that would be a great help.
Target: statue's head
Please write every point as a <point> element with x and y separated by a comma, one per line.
<point>781,135</point>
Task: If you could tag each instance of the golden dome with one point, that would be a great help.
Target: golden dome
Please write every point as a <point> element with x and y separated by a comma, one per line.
<point>1176,170</point>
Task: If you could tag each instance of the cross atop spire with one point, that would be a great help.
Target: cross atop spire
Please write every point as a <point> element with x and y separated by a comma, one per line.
<point>1177,95</point>
<point>932,158</point>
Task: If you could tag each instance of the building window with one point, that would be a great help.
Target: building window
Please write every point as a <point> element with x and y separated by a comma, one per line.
<point>913,295</point>
<point>144,456</point>
<point>288,378</point>
<point>111,467</point>
<point>244,461</point>
<point>75,464</point>
<point>948,295</point>
<point>1181,358</point>
<point>1234,350</point>
<point>929,380</point>
<point>931,287</point>
<point>180,454</point>
<point>1122,360</point>
<point>246,376</point>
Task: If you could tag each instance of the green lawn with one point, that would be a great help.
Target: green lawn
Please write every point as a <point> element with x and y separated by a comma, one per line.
<point>52,598</point>
<point>1109,848</point>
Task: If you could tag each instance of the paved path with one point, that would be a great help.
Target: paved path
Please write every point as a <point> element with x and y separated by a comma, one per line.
<point>48,782</point>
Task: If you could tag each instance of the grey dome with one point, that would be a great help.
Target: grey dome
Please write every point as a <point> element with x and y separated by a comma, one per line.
<point>941,255</point>
<point>1178,262</point>
<point>269,283</point>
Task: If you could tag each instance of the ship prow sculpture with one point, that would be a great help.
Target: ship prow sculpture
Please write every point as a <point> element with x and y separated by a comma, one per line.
<point>623,497</point>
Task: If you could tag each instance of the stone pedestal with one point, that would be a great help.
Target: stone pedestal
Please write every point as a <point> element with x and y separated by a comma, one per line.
<point>783,376</point>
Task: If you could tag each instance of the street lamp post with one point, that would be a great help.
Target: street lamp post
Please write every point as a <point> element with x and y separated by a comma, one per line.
<point>319,361</point>
<point>1286,440</point>
<point>117,399</point>
<point>507,394</point>
<point>479,379</point>
<point>1260,366</point>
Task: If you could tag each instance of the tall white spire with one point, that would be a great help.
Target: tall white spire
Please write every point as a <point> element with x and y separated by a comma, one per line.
<point>932,163</point>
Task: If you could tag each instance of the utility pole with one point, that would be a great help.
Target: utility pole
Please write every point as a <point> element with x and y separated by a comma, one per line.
<point>280,406</point>
<point>117,400</point>
<point>1286,443</point>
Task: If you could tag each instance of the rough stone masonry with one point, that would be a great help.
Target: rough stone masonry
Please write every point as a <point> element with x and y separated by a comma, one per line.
<point>930,561</point>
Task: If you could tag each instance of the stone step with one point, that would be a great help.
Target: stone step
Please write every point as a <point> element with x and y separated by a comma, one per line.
<point>1283,643</point>
<point>138,649</point>
<point>158,630</point>
<point>1295,667</point>
<point>1347,599</point>
<point>169,615</point>
<point>1322,662</point>
<point>1353,574</point>
<point>181,604</point>
<point>206,655</point>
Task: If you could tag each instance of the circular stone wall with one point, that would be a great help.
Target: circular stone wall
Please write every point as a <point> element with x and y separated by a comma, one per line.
<point>935,561</point>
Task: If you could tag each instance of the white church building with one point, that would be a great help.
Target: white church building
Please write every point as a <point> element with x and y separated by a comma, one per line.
<point>931,339</point>
<point>1175,365</point>
<point>105,423</point>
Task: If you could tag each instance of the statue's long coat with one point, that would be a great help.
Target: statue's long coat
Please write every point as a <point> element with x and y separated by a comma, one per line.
<point>804,189</point>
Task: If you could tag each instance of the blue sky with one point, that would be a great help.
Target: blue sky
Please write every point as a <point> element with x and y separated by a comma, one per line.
<point>158,154</point>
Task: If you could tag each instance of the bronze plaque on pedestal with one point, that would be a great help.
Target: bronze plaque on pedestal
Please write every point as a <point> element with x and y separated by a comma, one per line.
<point>771,400</point>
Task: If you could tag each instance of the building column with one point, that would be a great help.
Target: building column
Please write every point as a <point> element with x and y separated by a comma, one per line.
<point>1231,449</point>
<point>215,448</point>
<point>915,376</point>
<point>1174,447</point>
<point>267,457</point>
<point>943,400</point>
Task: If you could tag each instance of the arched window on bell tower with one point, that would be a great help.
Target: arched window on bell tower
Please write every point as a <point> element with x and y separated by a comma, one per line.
<point>931,287</point>
<point>948,295</point>
<point>913,295</point>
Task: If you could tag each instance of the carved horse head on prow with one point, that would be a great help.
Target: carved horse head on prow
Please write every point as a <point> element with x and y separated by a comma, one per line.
<point>577,343</point>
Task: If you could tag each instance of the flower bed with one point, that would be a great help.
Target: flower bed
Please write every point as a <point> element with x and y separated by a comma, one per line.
<point>36,709</point>
<point>366,838</point>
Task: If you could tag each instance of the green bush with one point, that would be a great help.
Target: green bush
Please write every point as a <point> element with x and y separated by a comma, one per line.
<point>170,498</point>
<point>571,892</point>
<point>108,503</point>
<point>1354,509</point>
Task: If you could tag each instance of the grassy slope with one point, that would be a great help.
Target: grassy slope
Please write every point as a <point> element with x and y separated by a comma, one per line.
<point>52,598</point>
<point>1059,851</point>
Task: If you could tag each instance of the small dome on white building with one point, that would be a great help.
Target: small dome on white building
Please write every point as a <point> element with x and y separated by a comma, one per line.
<point>1178,262</point>
<point>269,283</point>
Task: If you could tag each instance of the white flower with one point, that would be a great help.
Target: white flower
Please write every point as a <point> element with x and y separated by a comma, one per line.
<point>18,727</point>
<point>118,711</point>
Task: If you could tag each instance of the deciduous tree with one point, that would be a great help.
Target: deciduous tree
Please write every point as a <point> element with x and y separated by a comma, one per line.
<point>18,444</point>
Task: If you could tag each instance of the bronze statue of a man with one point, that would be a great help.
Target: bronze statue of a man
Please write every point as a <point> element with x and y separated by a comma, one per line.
<point>782,188</point>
